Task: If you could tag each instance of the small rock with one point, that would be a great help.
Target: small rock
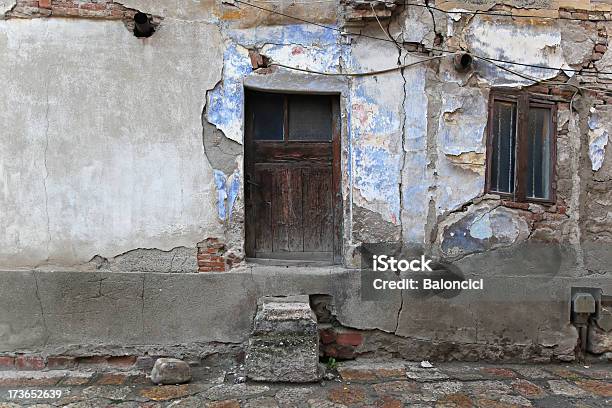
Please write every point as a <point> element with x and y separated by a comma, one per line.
<point>426,364</point>
<point>170,371</point>
<point>329,376</point>
<point>239,380</point>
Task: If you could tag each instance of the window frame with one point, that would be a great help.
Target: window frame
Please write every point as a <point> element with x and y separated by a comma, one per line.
<point>285,136</point>
<point>524,101</point>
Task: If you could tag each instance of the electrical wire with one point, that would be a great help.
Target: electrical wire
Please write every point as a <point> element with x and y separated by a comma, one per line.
<point>358,74</point>
<point>462,12</point>
<point>342,32</point>
<point>489,13</point>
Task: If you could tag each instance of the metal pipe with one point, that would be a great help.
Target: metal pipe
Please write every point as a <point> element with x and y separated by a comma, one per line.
<point>142,25</point>
<point>462,61</point>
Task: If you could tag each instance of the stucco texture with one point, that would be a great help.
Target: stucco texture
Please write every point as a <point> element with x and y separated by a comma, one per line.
<point>101,139</point>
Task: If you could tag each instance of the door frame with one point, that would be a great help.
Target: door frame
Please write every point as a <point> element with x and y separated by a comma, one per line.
<point>336,165</point>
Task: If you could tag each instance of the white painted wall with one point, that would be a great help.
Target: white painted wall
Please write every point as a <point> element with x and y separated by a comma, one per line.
<point>101,139</point>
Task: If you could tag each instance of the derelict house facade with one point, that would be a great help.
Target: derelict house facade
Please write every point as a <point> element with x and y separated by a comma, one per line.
<point>150,168</point>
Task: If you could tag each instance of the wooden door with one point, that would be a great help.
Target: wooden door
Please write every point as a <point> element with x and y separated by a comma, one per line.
<point>292,161</point>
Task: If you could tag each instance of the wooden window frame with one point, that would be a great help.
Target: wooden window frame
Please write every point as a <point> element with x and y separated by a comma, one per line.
<point>524,101</point>
<point>285,139</point>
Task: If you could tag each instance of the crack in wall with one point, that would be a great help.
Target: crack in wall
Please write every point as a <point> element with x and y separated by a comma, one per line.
<point>399,311</point>
<point>46,150</point>
<point>142,310</point>
<point>42,310</point>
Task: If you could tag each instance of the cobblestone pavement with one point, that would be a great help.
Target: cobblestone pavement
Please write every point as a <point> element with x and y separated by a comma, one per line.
<point>387,384</point>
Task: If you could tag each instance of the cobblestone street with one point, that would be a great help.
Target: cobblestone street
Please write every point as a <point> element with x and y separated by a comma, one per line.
<point>355,384</point>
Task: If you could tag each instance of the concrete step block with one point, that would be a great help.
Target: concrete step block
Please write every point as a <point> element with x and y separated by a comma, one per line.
<point>284,343</point>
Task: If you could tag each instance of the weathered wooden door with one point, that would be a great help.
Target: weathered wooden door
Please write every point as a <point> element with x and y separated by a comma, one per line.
<point>292,186</point>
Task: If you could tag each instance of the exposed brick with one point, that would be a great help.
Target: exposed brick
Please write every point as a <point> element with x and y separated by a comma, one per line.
<point>93,360</point>
<point>112,379</point>
<point>7,362</point>
<point>513,204</point>
<point>214,265</point>
<point>349,338</point>
<point>23,362</point>
<point>61,362</point>
<point>93,6</point>
<point>327,336</point>
<point>122,361</point>
<point>211,256</point>
<point>44,3</point>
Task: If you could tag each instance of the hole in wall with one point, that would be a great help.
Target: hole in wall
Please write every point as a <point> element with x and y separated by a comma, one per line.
<point>143,25</point>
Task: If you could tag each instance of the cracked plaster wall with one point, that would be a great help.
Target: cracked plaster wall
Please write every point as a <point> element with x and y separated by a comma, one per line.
<point>101,139</point>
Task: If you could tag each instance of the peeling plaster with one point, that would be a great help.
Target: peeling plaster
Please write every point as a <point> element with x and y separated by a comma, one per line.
<point>461,146</point>
<point>226,102</point>
<point>228,190</point>
<point>6,5</point>
<point>598,136</point>
<point>528,44</point>
<point>481,228</point>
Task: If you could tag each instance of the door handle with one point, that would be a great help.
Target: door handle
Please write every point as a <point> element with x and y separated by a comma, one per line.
<point>253,184</point>
<point>247,179</point>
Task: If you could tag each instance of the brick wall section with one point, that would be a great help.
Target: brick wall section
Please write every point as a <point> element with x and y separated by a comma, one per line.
<point>338,342</point>
<point>104,9</point>
<point>211,256</point>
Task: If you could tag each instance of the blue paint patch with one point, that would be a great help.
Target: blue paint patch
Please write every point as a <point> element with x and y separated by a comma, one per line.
<point>221,193</point>
<point>226,101</point>
<point>377,176</point>
<point>228,191</point>
<point>481,228</point>
<point>233,191</point>
<point>292,34</point>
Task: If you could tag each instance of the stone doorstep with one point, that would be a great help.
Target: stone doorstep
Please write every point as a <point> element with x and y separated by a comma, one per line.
<point>284,343</point>
<point>60,378</point>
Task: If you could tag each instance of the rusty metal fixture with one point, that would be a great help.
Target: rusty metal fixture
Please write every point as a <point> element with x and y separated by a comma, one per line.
<point>142,25</point>
<point>462,61</point>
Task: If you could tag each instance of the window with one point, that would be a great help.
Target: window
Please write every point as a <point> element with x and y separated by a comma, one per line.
<point>296,117</point>
<point>521,146</point>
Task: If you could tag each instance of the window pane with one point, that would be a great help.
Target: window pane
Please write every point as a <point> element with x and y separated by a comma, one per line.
<point>539,147</point>
<point>268,117</point>
<point>310,118</point>
<point>503,146</point>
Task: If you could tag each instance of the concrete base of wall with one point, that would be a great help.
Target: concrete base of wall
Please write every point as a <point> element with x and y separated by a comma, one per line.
<point>94,313</point>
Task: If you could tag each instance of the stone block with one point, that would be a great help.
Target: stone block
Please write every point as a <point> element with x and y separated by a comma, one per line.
<point>599,341</point>
<point>284,344</point>
<point>170,371</point>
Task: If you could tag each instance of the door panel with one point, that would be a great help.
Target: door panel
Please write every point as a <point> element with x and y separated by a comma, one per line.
<point>287,210</point>
<point>318,209</point>
<point>261,191</point>
<point>291,192</point>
